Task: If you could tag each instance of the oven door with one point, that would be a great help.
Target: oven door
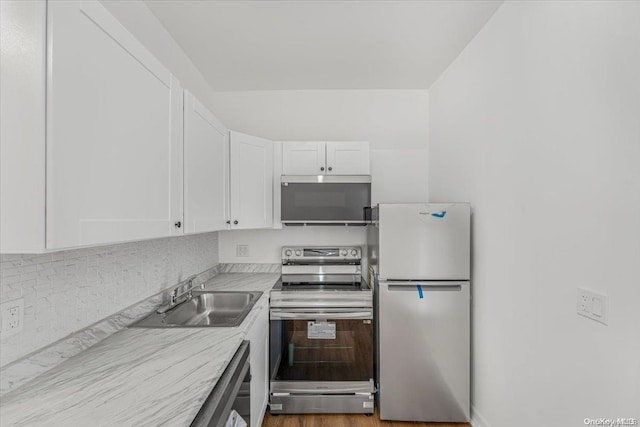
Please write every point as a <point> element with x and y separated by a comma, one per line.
<point>328,351</point>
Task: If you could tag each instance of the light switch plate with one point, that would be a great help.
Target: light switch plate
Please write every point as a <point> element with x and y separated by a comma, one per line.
<point>12,317</point>
<point>593,305</point>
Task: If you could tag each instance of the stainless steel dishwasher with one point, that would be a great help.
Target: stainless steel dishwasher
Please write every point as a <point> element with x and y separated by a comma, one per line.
<point>232,392</point>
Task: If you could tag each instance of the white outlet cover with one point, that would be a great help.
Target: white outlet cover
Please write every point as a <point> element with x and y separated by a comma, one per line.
<point>12,313</point>
<point>592,305</point>
<point>583,303</point>
<point>242,250</point>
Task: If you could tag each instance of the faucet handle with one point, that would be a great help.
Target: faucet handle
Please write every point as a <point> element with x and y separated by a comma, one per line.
<point>170,297</point>
<point>189,281</point>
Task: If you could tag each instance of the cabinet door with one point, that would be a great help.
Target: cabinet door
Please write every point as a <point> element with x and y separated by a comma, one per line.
<point>114,133</point>
<point>258,336</point>
<point>348,158</point>
<point>206,169</point>
<point>22,126</point>
<point>251,181</point>
<point>303,158</point>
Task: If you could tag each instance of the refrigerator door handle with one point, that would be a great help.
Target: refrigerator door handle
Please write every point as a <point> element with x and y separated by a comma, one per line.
<point>426,286</point>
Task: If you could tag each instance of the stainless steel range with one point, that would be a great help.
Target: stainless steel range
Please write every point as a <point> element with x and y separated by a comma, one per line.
<point>321,336</point>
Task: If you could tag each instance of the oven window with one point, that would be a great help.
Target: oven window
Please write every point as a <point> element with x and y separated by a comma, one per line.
<point>325,202</point>
<point>333,350</point>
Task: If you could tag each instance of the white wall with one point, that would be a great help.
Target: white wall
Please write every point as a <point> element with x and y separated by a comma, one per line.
<point>537,124</point>
<point>399,175</point>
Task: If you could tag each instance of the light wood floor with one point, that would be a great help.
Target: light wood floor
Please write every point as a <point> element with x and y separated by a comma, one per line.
<point>343,420</point>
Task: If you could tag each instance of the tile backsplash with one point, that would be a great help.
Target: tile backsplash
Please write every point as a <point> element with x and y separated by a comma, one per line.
<point>69,290</point>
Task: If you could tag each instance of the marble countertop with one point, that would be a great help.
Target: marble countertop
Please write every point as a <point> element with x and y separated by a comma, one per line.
<point>137,377</point>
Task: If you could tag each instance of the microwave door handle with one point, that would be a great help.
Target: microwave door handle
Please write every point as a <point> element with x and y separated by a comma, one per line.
<point>284,315</point>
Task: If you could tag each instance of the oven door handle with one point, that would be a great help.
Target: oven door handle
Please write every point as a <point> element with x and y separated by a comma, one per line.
<point>315,315</point>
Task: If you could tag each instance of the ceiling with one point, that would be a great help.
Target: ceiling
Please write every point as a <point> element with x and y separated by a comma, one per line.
<point>280,45</point>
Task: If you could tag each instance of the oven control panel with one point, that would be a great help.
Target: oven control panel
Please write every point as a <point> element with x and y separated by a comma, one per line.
<point>293,253</point>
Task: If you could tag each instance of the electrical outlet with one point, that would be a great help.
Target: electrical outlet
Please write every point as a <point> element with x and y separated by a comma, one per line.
<point>242,250</point>
<point>592,305</point>
<point>12,317</point>
<point>583,302</point>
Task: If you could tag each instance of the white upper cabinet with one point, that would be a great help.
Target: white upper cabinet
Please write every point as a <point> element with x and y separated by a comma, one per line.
<point>114,133</point>
<point>303,158</point>
<point>325,158</point>
<point>251,176</point>
<point>92,148</point>
<point>22,126</point>
<point>348,158</point>
<point>206,167</point>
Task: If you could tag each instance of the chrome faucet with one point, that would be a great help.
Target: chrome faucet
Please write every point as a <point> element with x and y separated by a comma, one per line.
<point>186,288</point>
<point>183,292</point>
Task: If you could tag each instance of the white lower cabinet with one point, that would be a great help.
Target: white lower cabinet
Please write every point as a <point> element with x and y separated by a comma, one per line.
<point>258,336</point>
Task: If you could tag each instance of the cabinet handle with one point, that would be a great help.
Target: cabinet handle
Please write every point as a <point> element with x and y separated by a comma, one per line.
<point>235,222</point>
<point>322,168</point>
<point>330,168</point>
<point>178,224</point>
<point>228,221</point>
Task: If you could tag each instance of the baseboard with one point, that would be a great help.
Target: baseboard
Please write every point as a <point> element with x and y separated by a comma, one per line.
<point>477,420</point>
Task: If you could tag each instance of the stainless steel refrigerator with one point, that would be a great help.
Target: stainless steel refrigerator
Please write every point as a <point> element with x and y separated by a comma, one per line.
<point>420,261</point>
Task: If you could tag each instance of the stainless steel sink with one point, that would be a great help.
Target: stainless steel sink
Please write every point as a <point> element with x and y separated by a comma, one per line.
<point>205,309</point>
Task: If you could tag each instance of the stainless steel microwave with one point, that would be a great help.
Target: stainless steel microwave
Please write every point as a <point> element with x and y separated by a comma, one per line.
<point>325,199</point>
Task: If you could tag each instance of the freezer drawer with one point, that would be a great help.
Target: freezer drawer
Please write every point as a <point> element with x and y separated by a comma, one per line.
<point>424,351</point>
<point>424,241</point>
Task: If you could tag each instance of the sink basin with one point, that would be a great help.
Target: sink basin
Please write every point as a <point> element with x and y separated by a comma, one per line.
<point>205,309</point>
